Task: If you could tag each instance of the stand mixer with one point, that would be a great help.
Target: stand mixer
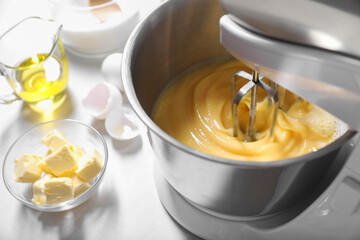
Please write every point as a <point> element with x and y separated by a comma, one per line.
<point>304,53</point>
<point>305,60</point>
<point>320,61</point>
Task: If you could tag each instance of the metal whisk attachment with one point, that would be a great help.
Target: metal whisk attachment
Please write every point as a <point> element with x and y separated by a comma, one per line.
<point>255,81</point>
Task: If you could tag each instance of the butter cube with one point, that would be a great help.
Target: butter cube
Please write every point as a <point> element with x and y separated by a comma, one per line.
<point>26,168</point>
<point>78,151</point>
<point>39,196</point>
<point>58,190</point>
<point>90,165</point>
<point>61,161</point>
<point>51,190</point>
<point>78,184</point>
<point>41,163</point>
<point>55,140</point>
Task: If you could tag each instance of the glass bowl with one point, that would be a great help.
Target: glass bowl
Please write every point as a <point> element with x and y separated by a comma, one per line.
<point>30,143</point>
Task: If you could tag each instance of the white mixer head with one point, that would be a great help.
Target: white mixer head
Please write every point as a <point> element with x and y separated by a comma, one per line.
<point>281,44</point>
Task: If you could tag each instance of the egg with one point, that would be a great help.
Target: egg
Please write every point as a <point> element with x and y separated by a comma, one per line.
<point>122,124</point>
<point>111,70</point>
<point>101,99</point>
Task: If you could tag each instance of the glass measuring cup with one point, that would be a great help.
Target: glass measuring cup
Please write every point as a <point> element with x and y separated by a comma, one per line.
<point>34,63</point>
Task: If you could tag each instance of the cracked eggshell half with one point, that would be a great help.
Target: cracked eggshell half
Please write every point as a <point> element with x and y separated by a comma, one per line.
<point>101,99</point>
<point>122,124</point>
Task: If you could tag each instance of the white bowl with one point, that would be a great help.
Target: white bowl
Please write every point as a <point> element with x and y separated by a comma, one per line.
<point>85,33</point>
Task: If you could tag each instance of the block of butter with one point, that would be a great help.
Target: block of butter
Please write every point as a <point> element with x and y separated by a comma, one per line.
<point>58,190</point>
<point>27,169</point>
<point>77,151</point>
<point>78,184</point>
<point>39,196</point>
<point>41,163</point>
<point>61,161</point>
<point>90,165</point>
<point>52,190</point>
<point>55,140</point>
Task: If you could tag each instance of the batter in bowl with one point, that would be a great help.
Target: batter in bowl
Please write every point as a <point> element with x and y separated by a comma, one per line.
<point>196,110</point>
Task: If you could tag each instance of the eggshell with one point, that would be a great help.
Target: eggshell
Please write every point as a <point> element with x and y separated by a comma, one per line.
<point>122,124</point>
<point>111,70</point>
<point>101,99</point>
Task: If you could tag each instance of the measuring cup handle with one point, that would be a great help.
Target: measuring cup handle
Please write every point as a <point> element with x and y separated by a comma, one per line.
<point>7,98</point>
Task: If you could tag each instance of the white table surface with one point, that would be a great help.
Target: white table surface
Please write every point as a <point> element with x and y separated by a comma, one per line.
<point>126,205</point>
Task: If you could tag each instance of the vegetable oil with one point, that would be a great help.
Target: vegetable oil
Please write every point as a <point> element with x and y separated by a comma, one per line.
<point>41,80</point>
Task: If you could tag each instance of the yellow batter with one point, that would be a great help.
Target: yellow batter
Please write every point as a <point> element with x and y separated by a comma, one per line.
<point>196,110</point>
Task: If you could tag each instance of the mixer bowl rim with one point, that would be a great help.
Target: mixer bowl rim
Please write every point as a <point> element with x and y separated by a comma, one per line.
<point>135,104</point>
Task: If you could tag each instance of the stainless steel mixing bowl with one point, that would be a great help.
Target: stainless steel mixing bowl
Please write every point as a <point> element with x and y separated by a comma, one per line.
<point>177,35</point>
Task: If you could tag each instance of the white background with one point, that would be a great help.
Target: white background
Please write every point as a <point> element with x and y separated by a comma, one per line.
<point>126,206</point>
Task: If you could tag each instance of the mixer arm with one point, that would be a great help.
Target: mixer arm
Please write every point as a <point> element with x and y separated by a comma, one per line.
<point>326,24</point>
<point>325,78</point>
